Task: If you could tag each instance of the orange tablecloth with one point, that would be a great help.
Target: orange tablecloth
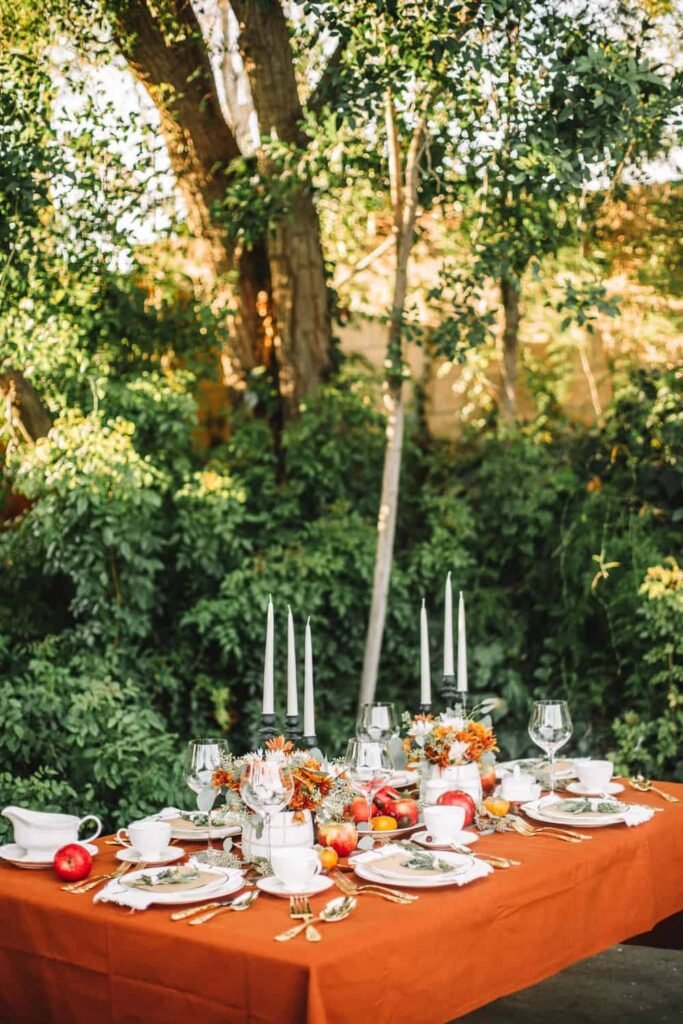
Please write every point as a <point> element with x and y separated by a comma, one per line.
<point>64,959</point>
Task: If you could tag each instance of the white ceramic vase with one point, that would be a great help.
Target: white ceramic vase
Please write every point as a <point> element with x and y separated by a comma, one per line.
<point>464,777</point>
<point>284,831</point>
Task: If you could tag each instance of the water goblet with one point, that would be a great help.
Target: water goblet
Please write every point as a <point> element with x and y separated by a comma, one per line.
<point>202,759</point>
<point>266,787</point>
<point>550,727</point>
<point>369,764</point>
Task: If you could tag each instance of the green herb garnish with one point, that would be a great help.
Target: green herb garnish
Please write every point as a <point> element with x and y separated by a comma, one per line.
<point>169,876</point>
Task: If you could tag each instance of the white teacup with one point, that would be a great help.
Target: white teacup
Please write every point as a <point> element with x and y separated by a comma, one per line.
<point>295,867</point>
<point>149,838</point>
<point>594,775</point>
<point>444,823</point>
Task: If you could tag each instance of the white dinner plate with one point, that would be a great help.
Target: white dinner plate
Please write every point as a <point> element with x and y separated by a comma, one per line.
<point>15,854</point>
<point>132,856</point>
<point>195,834</point>
<point>612,788</point>
<point>461,863</point>
<point>540,811</point>
<point>226,881</point>
<point>392,833</point>
<point>272,885</point>
<point>462,839</point>
<point>402,779</point>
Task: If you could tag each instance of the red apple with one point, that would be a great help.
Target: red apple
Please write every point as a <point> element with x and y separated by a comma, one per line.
<point>405,810</point>
<point>342,836</point>
<point>456,798</point>
<point>357,810</point>
<point>72,863</point>
<point>488,778</point>
<point>385,797</point>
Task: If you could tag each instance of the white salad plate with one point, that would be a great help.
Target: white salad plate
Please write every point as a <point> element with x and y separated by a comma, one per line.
<point>15,854</point>
<point>391,833</point>
<point>462,839</point>
<point>547,814</point>
<point>461,862</point>
<point>168,856</point>
<point>194,833</point>
<point>612,788</point>
<point>273,886</point>
<point>402,779</point>
<point>225,882</point>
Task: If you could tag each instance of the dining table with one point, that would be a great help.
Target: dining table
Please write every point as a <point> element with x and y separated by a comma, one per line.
<point>69,960</point>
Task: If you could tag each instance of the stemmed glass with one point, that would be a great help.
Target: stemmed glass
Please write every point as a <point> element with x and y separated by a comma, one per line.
<point>266,787</point>
<point>377,722</point>
<point>369,765</point>
<point>550,727</point>
<point>202,759</point>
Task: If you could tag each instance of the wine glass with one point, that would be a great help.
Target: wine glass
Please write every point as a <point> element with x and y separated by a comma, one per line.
<point>377,722</point>
<point>266,787</point>
<point>202,759</point>
<point>369,765</point>
<point>550,727</point>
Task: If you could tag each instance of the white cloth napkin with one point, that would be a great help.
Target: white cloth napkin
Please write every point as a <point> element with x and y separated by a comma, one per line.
<point>637,814</point>
<point>135,899</point>
<point>479,869</point>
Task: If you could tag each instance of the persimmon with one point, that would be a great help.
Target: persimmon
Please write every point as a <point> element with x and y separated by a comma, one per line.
<point>384,823</point>
<point>497,806</point>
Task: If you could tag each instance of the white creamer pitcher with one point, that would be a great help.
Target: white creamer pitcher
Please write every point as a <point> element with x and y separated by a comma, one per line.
<point>42,834</point>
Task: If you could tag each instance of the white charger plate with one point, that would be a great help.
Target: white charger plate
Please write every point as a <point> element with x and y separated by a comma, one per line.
<point>227,881</point>
<point>537,810</point>
<point>196,835</point>
<point>564,767</point>
<point>15,854</point>
<point>459,860</point>
<point>273,886</point>
<point>393,833</point>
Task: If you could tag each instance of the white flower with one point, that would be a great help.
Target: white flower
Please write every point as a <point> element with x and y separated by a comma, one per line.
<point>276,756</point>
<point>420,728</point>
<point>453,721</point>
<point>457,751</point>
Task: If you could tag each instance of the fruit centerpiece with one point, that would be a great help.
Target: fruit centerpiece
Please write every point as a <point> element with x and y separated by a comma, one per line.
<point>452,750</point>
<point>315,787</point>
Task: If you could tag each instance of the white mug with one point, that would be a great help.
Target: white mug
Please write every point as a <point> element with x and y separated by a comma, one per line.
<point>444,822</point>
<point>149,838</point>
<point>594,775</point>
<point>294,866</point>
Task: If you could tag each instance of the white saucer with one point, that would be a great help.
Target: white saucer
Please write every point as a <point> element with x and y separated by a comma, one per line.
<point>612,788</point>
<point>15,854</point>
<point>461,839</point>
<point>167,856</point>
<point>272,885</point>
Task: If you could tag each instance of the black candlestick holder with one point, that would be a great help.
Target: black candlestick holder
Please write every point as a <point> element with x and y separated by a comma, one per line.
<point>449,690</point>
<point>308,742</point>
<point>425,709</point>
<point>292,730</point>
<point>268,728</point>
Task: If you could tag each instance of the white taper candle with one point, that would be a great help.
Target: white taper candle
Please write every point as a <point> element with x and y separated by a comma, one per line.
<point>448,630</point>
<point>292,701</point>
<point>425,677</point>
<point>309,705</point>
<point>268,690</point>
<point>462,647</point>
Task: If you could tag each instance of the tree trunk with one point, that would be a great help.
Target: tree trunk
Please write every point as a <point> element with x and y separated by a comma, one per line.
<point>404,199</point>
<point>26,416</point>
<point>509,290</point>
<point>297,271</point>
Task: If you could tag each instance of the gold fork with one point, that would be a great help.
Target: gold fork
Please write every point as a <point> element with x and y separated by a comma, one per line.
<point>300,909</point>
<point>351,888</point>
<point>89,883</point>
<point>526,830</point>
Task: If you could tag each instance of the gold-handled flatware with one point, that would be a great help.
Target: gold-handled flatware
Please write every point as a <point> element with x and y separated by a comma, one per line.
<point>89,883</point>
<point>488,858</point>
<point>300,909</point>
<point>239,903</point>
<point>644,785</point>
<point>351,888</point>
<point>572,833</point>
<point>339,878</point>
<point>527,830</point>
<point>335,910</point>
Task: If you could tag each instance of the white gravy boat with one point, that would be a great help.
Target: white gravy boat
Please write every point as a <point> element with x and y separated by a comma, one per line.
<point>42,834</point>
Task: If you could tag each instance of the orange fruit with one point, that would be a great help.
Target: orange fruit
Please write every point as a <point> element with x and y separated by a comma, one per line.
<point>383,823</point>
<point>329,858</point>
<point>497,806</point>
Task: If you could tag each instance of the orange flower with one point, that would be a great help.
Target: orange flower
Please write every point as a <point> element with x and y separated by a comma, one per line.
<point>280,743</point>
